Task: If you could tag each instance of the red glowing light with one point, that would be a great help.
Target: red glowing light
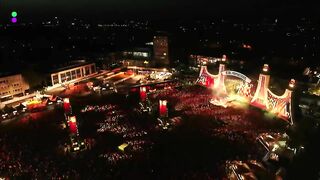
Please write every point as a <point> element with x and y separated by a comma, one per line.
<point>143,93</point>
<point>73,128</point>
<point>73,125</point>
<point>66,105</point>
<point>163,108</point>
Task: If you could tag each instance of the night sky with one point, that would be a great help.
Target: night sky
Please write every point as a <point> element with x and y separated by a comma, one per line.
<point>157,8</point>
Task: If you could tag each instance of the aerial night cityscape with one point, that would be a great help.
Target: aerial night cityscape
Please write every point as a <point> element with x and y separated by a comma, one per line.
<point>160,89</point>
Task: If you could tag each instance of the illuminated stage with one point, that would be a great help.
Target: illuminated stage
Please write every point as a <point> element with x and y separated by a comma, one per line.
<point>243,90</point>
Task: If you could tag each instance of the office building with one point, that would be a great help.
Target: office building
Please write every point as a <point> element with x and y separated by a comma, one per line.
<point>161,50</point>
<point>12,85</point>
<point>72,73</point>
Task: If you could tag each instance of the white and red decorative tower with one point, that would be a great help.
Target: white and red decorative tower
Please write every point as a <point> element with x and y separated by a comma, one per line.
<point>260,98</point>
<point>263,98</point>
<point>205,78</point>
<point>213,81</point>
<point>219,85</point>
<point>282,105</point>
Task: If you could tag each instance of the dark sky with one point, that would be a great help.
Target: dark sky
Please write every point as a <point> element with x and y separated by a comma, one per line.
<point>158,8</point>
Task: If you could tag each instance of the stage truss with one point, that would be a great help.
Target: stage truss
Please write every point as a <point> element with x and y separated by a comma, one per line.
<point>260,97</point>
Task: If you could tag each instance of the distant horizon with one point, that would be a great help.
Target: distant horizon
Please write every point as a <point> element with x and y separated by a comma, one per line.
<point>6,19</point>
<point>165,9</point>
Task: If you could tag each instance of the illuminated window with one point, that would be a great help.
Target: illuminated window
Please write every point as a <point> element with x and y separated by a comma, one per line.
<point>78,73</point>
<point>87,71</point>
<point>55,79</point>
<point>93,70</point>
<point>68,74</point>
<point>73,75</point>
<point>63,77</point>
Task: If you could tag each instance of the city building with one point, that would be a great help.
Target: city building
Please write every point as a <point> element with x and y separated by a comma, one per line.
<point>12,85</point>
<point>72,73</point>
<point>161,50</point>
<point>197,60</point>
<point>137,57</point>
<point>137,53</point>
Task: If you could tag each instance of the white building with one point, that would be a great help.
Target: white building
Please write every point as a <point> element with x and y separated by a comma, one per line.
<point>72,73</point>
<point>12,85</point>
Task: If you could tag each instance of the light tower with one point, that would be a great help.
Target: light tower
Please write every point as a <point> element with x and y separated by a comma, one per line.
<point>163,109</point>
<point>143,93</point>
<point>67,106</point>
<point>260,98</point>
<point>73,127</point>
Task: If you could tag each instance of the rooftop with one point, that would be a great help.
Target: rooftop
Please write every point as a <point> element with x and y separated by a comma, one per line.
<point>5,74</point>
<point>69,65</point>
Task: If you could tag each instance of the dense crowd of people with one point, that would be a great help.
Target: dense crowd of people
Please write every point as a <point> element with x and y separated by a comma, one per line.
<point>235,126</point>
<point>119,124</point>
<point>115,157</point>
<point>137,145</point>
<point>18,160</point>
<point>98,108</point>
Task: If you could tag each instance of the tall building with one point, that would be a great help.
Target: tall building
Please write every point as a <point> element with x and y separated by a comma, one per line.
<point>12,85</point>
<point>161,50</point>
